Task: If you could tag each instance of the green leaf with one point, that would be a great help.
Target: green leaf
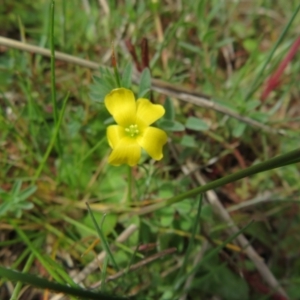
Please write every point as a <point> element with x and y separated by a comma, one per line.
<point>4,208</point>
<point>166,216</point>
<point>126,76</point>
<point>27,192</point>
<point>170,125</point>
<point>101,84</point>
<point>250,44</point>
<point>183,207</point>
<point>196,124</point>
<point>239,129</point>
<point>25,205</point>
<point>99,89</point>
<point>16,187</point>
<point>188,141</point>
<point>209,36</point>
<point>259,116</point>
<point>145,83</point>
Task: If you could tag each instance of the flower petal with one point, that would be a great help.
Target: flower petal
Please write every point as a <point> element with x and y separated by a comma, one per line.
<point>114,134</point>
<point>127,151</point>
<point>147,112</point>
<point>122,106</point>
<point>152,140</point>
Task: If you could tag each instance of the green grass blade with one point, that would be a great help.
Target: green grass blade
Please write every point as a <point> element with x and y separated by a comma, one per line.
<point>50,265</point>
<point>276,162</point>
<point>103,239</point>
<point>53,88</point>
<point>35,251</point>
<point>60,288</point>
<point>53,139</point>
<point>53,80</point>
<point>17,289</point>
<point>92,150</point>
<point>103,272</point>
<point>273,163</point>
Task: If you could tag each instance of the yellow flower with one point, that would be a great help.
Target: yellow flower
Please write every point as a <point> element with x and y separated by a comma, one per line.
<point>133,130</point>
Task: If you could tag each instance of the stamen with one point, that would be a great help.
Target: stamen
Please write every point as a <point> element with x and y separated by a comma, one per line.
<point>132,130</point>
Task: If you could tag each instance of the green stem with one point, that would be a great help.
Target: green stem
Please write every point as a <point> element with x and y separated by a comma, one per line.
<point>53,90</point>
<point>129,179</point>
<point>42,283</point>
<point>276,162</point>
<point>103,239</point>
<point>117,76</point>
<point>53,84</point>
<point>52,141</point>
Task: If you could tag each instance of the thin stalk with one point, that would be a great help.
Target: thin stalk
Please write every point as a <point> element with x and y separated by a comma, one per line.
<point>63,22</point>
<point>103,239</point>
<point>103,272</point>
<point>114,65</point>
<point>273,163</point>
<point>57,287</point>
<point>117,76</point>
<point>53,90</point>
<point>53,84</point>
<point>92,150</point>
<point>52,141</point>
<point>35,250</point>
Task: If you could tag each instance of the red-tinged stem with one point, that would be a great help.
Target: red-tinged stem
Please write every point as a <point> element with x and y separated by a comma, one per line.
<point>274,81</point>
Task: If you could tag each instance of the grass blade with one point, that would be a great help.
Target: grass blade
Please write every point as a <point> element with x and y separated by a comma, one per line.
<point>53,139</point>
<point>273,163</point>
<point>45,284</point>
<point>17,289</point>
<point>103,239</point>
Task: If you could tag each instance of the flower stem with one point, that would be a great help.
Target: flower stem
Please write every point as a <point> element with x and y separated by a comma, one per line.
<point>129,179</point>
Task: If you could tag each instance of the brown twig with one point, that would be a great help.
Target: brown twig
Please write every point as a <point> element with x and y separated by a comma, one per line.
<point>131,50</point>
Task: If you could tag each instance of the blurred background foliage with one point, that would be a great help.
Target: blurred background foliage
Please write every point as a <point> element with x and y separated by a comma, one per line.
<point>214,48</point>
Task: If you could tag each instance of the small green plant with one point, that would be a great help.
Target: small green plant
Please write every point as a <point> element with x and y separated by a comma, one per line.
<point>16,200</point>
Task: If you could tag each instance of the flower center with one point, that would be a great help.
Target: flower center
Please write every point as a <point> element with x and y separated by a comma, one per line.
<point>132,130</point>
